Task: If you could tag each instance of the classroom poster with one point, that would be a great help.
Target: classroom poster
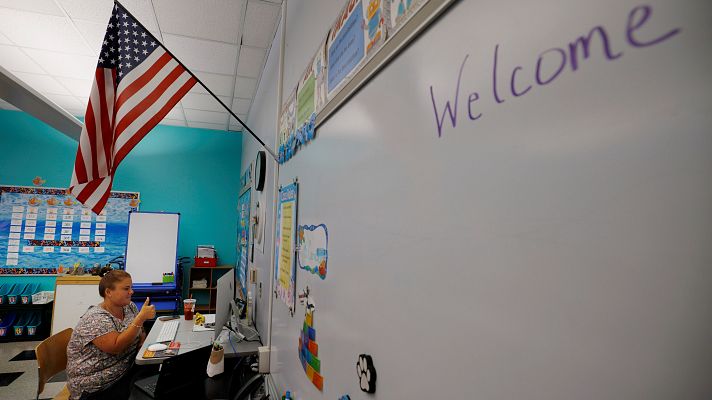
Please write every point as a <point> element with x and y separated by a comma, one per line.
<point>287,124</point>
<point>259,221</point>
<point>374,24</point>
<point>243,242</point>
<point>319,68</point>
<point>42,229</point>
<point>313,244</point>
<point>285,271</point>
<point>345,46</point>
<point>401,11</point>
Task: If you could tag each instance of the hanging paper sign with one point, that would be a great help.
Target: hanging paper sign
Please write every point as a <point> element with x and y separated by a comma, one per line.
<point>319,68</point>
<point>313,244</point>
<point>43,230</point>
<point>373,24</point>
<point>306,107</point>
<point>287,124</point>
<point>243,241</point>
<point>346,45</point>
<point>285,271</point>
<point>401,11</point>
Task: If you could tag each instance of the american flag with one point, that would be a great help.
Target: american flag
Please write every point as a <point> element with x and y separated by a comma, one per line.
<point>136,83</point>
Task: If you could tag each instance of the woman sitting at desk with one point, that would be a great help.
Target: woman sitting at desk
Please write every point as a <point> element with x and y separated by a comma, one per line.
<point>104,343</point>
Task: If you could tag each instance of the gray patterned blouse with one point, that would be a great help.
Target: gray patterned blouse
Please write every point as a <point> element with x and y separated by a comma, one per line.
<point>90,369</point>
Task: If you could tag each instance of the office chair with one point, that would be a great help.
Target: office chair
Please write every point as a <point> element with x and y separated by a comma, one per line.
<point>249,387</point>
<point>51,360</point>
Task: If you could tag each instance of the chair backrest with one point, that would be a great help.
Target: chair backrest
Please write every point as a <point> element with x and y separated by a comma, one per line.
<point>52,357</point>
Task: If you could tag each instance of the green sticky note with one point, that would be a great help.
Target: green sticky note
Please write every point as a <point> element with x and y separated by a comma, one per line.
<point>315,363</point>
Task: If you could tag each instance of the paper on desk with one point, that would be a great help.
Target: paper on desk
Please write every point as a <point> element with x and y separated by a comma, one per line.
<point>209,318</point>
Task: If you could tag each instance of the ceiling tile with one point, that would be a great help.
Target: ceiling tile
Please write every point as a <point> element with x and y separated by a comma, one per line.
<point>42,83</point>
<point>77,87</point>
<point>80,67</point>
<point>88,10</point>
<point>241,106</point>
<point>206,125</point>
<point>260,23</point>
<point>251,61</point>
<point>41,31</point>
<point>176,113</point>
<point>35,6</point>
<point>206,102</point>
<point>93,33</point>
<point>15,60</point>
<point>68,102</point>
<point>208,19</point>
<point>100,11</point>
<point>203,55</point>
<point>77,112</point>
<point>245,87</point>
<point>206,116</point>
<point>172,122</point>
<point>235,125</point>
<point>221,85</point>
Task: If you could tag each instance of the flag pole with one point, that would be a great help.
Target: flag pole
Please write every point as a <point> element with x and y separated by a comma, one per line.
<point>270,151</point>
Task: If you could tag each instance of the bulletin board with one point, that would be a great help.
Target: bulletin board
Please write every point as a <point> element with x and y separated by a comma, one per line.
<point>45,229</point>
<point>285,268</point>
<point>243,238</point>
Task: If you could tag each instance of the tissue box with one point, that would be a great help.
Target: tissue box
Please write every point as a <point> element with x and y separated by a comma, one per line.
<point>205,262</point>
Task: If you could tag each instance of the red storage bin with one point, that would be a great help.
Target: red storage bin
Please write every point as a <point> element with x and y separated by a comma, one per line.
<point>205,262</point>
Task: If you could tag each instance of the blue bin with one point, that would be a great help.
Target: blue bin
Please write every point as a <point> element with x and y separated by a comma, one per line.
<point>13,297</point>
<point>26,296</point>
<point>35,321</point>
<point>6,322</point>
<point>5,289</point>
<point>20,324</point>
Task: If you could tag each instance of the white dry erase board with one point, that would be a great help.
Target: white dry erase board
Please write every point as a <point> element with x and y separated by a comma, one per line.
<point>152,246</point>
<point>547,241</point>
<point>73,295</point>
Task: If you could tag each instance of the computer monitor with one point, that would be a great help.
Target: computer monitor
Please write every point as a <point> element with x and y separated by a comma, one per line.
<point>225,295</point>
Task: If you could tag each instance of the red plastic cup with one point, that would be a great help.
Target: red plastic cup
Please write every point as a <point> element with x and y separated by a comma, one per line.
<point>188,309</point>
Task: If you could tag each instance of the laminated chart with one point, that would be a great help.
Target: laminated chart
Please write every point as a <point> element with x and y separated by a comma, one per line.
<point>43,228</point>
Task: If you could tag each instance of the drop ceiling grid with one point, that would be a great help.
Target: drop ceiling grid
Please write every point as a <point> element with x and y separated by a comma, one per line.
<point>52,46</point>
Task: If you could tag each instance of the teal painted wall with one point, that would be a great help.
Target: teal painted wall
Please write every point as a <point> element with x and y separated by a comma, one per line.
<point>192,171</point>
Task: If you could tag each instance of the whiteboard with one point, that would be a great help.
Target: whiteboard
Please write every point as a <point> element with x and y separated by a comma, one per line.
<point>557,247</point>
<point>152,245</point>
<point>73,296</point>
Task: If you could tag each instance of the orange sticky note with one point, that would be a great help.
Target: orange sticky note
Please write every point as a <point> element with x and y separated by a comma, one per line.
<point>318,381</point>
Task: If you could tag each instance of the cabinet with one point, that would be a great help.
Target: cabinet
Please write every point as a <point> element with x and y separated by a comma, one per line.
<point>206,296</point>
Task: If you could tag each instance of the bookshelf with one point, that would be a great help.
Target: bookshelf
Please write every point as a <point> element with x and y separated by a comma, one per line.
<point>206,296</point>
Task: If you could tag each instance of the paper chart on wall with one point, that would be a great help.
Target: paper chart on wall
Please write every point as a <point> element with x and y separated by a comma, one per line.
<point>285,268</point>
<point>259,220</point>
<point>243,229</point>
<point>43,228</point>
<point>313,243</point>
<point>401,11</point>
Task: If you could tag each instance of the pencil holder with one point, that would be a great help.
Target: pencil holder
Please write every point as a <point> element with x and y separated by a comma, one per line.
<point>216,363</point>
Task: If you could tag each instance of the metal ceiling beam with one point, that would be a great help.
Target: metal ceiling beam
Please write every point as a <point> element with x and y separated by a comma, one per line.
<point>22,96</point>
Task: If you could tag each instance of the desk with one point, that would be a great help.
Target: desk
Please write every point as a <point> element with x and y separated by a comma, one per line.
<point>190,340</point>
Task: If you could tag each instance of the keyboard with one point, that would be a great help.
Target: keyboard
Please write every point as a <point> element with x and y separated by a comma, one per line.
<point>168,331</point>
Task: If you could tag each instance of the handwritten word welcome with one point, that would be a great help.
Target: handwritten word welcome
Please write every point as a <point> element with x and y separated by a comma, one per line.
<point>576,51</point>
